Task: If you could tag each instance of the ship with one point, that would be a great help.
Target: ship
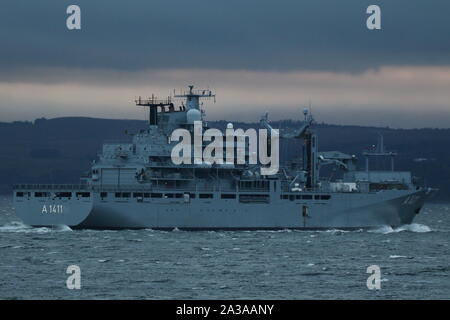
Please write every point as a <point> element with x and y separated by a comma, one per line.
<point>135,184</point>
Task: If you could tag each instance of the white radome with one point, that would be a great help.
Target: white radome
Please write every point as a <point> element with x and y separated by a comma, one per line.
<point>193,115</point>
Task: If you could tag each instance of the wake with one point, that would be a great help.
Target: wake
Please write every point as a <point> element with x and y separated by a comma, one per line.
<point>19,227</point>
<point>413,227</point>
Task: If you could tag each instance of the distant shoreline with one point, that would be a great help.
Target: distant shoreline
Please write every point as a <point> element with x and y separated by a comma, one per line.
<point>60,150</point>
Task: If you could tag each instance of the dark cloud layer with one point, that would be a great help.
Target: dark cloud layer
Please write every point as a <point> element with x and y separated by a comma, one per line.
<point>272,55</point>
<point>223,34</point>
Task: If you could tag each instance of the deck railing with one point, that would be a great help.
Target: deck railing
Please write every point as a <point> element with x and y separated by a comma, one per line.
<point>50,187</point>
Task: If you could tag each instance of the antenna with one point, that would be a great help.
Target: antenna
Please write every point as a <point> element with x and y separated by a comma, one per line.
<point>153,104</point>
<point>193,96</point>
<point>305,113</point>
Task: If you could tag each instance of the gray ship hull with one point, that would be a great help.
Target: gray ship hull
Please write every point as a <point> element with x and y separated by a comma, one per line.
<point>147,183</point>
<point>342,210</point>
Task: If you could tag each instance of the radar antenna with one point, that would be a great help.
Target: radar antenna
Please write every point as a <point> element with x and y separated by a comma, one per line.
<point>153,103</point>
<point>193,96</point>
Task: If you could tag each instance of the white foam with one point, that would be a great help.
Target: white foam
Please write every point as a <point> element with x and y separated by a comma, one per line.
<point>17,226</point>
<point>337,231</point>
<point>382,229</point>
<point>62,228</point>
<point>413,227</point>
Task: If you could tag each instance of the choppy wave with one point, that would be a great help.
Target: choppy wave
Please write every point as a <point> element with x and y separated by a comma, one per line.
<point>337,231</point>
<point>62,228</point>
<point>286,230</point>
<point>17,226</point>
<point>396,256</point>
<point>413,227</point>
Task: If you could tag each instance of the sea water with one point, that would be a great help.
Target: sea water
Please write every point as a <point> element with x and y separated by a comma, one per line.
<point>413,260</point>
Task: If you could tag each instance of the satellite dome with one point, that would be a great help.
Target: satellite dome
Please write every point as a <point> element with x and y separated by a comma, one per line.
<point>193,115</point>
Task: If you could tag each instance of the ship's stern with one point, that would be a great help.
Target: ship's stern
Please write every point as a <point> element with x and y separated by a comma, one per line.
<point>51,205</point>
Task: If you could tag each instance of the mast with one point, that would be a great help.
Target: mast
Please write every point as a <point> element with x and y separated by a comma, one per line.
<point>380,151</point>
<point>310,147</point>
<point>192,101</point>
<point>193,97</point>
<point>153,104</point>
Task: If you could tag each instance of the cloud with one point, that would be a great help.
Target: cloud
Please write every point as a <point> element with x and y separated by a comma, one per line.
<point>261,35</point>
<point>258,54</point>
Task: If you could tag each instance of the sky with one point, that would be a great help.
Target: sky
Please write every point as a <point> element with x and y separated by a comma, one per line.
<point>257,55</point>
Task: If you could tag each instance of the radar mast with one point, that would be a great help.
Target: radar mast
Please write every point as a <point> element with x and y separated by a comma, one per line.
<point>193,96</point>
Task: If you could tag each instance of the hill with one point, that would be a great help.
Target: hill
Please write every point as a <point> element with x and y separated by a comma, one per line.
<point>59,150</point>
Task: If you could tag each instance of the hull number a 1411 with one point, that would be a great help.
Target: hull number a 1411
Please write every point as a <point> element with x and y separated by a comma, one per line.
<point>52,208</point>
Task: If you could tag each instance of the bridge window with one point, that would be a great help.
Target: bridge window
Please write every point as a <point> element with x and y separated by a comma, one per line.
<point>173,195</point>
<point>41,194</point>
<point>138,195</point>
<point>325,197</point>
<point>228,196</point>
<point>122,194</point>
<point>83,194</point>
<point>19,194</point>
<point>63,194</point>
<point>205,195</point>
<point>254,198</point>
<point>103,194</point>
<point>156,195</point>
